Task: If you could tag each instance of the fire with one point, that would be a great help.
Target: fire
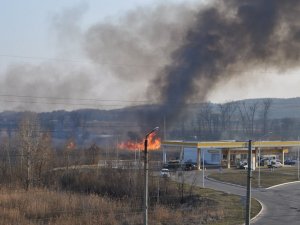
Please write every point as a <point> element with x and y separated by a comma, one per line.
<point>153,144</point>
<point>71,145</point>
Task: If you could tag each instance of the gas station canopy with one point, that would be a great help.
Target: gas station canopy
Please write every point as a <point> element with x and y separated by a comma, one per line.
<point>232,144</point>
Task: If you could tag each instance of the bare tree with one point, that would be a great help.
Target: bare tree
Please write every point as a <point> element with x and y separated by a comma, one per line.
<point>5,159</point>
<point>266,105</point>
<point>92,154</point>
<point>34,148</point>
<point>227,112</point>
<point>208,123</point>
<point>247,116</point>
<point>43,157</point>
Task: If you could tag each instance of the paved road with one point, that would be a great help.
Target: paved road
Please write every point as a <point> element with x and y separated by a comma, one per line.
<point>281,205</point>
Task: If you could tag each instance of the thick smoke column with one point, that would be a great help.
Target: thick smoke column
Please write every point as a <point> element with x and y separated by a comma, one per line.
<point>227,39</point>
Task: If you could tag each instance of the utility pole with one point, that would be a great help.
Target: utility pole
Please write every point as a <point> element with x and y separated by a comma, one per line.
<point>203,160</point>
<point>259,155</point>
<point>249,175</point>
<point>117,148</point>
<point>298,163</point>
<point>298,159</point>
<point>165,129</point>
<point>165,138</point>
<point>259,159</point>
<point>158,189</point>
<point>146,171</point>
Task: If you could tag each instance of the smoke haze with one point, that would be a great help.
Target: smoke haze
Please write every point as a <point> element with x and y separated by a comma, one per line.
<point>171,54</point>
<point>139,44</point>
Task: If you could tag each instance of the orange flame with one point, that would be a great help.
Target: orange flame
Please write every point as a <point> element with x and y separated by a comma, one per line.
<point>153,144</point>
<point>71,145</point>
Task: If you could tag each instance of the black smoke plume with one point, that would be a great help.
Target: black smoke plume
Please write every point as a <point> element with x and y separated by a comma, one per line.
<point>225,40</point>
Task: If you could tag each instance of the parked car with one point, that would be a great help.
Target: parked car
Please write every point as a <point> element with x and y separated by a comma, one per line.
<point>246,167</point>
<point>289,162</point>
<point>243,165</point>
<point>189,166</point>
<point>173,165</point>
<point>165,173</point>
<point>262,162</point>
<point>274,164</point>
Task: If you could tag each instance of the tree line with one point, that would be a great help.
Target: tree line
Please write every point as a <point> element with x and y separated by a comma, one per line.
<point>236,121</point>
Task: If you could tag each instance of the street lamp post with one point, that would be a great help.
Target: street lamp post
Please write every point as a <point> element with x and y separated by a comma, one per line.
<point>146,169</point>
<point>203,161</point>
<point>298,159</point>
<point>298,162</point>
<point>259,164</point>
<point>249,176</point>
<point>259,156</point>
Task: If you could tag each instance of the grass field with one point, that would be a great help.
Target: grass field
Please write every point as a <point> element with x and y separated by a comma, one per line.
<point>268,177</point>
<point>233,209</point>
<point>42,206</point>
<point>114,197</point>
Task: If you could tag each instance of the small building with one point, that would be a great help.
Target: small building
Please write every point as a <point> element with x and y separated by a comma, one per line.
<point>210,156</point>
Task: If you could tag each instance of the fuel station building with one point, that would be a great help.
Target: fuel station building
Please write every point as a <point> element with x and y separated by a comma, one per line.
<point>230,152</point>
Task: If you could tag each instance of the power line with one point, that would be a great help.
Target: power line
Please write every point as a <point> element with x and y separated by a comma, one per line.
<point>43,58</point>
<point>80,61</point>
<point>59,103</point>
<point>88,100</point>
<point>84,61</point>
<point>74,99</point>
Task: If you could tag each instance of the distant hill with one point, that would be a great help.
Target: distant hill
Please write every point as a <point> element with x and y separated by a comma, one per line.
<point>280,107</point>
<point>92,125</point>
<point>285,108</point>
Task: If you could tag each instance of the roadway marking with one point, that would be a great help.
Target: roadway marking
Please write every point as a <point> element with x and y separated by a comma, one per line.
<point>278,185</point>
<point>260,212</point>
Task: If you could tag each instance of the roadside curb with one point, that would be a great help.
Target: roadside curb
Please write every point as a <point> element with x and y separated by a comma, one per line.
<point>256,217</point>
<point>236,185</point>
<point>259,213</point>
<point>278,185</point>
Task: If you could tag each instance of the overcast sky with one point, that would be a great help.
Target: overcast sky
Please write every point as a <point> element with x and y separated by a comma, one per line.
<point>47,62</point>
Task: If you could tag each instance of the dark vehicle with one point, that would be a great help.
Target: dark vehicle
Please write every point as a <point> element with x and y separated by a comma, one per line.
<point>189,166</point>
<point>173,165</point>
<point>289,162</point>
<point>262,162</point>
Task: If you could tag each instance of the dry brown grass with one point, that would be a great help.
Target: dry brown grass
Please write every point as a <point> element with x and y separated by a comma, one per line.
<point>114,197</point>
<point>41,206</point>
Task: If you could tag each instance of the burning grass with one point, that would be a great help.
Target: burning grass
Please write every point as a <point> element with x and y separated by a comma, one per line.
<point>153,144</point>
